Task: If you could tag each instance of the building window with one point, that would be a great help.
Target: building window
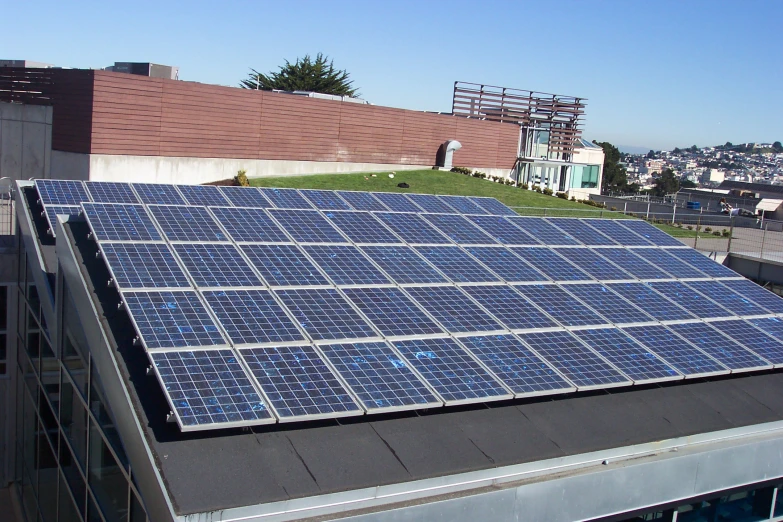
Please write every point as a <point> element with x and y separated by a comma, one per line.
<point>4,293</point>
<point>584,176</point>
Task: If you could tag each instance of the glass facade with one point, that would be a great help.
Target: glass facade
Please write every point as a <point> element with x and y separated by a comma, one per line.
<point>584,176</point>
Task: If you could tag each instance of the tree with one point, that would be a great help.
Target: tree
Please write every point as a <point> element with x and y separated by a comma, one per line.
<point>777,147</point>
<point>651,154</point>
<point>694,148</point>
<point>686,183</point>
<point>614,177</point>
<point>667,183</point>
<point>676,150</point>
<point>317,75</point>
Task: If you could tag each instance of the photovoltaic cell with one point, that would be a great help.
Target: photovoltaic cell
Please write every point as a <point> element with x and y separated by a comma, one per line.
<point>702,263</point>
<point>52,211</point>
<point>362,227</point>
<point>453,309</point>
<point>771,325</point>
<point>114,222</point>
<point>213,265</point>
<point>510,307</point>
<point>757,294</point>
<point>649,232</point>
<point>493,206</point>
<point>249,224</point>
<point>619,233</point>
<point>325,314</point>
<point>248,197</point>
<point>307,226</point>
<point>362,200</point>
<point>451,371</point>
<point>632,358</point>
<point>187,223</point>
<point>459,229</point>
<point>111,192</point>
<point>298,383</point>
<point>667,262</point>
<point>325,199</point>
<point>595,265</point>
<point>391,311</point>
<point>403,264</point>
<point>581,231</point>
<point>633,264</point>
<point>144,265</point>
<point>285,198</point>
<point>380,378</point>
<point>684,357</point>
<point>552,264</point>
<point>283,265</point>
<point>524,372</point>
<point>543,231</point>
<point>573,359</point>
<point>345,265</point>
<point>762,340</point>
<point>209,387</point>
<point>172,319</point>
<point>688,298</point>
<point>504,263</point>
<point>206,195</point>
<point>457,264</point>
<point>158,194</point>
<point>562,306</point>
<point>463,205</point>
<point>412,228</point>
<point>397,202</point>
<point>252,316</point>
<point>727,298</point>
<point>430,203</point>
<point>655,304</point>
<point>726,350</point>
<point>608,303</point>
<point>61,192</point>
<point>502,231</point>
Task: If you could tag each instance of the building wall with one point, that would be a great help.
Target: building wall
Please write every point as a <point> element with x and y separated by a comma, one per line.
<point>25,141</point>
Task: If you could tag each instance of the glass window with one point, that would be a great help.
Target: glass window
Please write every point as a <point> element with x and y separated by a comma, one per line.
<point>106,479</point>
<point>73,418</point>
<point>137,513</point>
<point>47,480</point>
<point>3,307</point>
<point>105,421</point>
<point>30,429</point>
<point>66,511</point>
<point>29,502</point>
<point>779,502</point>
<point>73,476</point>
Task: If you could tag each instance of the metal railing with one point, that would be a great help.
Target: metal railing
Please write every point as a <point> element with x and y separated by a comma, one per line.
<point>7,215</point>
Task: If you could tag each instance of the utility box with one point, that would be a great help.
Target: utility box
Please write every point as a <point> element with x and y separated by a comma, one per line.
<point>694,205</point>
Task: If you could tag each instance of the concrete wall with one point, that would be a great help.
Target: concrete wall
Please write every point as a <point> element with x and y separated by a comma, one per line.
<point>25,141</point>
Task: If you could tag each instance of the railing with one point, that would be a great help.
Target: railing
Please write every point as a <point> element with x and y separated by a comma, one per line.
<point>7,215</point>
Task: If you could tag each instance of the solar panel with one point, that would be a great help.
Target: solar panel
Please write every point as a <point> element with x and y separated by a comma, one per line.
<point>283,265</point>
<point>688,298</point>
<point>325,199</point>
<point>727,298</point>
<point>552,264</point>
<point>249,224</point>
<point>505,264</point>
<point>459,229</point>
<point>285,198</point>
<point>513,310</point>
<point>307,226</point>
<point>209,388</point>
<point>114,222</point>
<point>560,305</point>
<point>111,192</point>
<point>683,356</point>
<point>249,197</point>
<point>61,192</point>
<point>463,205</point>
<point>403,264</point>
<point>345,265</point>
<point>52,211</point>
<point>493,206</point>
<point>252,317</point>
<point>430,203</point>
<point>649,232</point>
<point>770,325</point>
<point>761,338</point>
<point>595,265</point>
<point>158,194</point>
<point>172,319</point>
<point>609,304</point>
<point>633,359</point>
<point>665,261</point>
<point>581,231</point>
<point>457,264</point>
<point>502,231</point>
<point>212,265</point>
<point>397,202</point>
<point>451,371</point>
<point>361,227</point>
<point>614,230</point>
<point>186,223</point>
<point>655,304</point>
<point>702,262</point>
<point>725,349</point>
<point>633,264</point>
<point>206,195</point>
<point>757,294</point>
<point>143,265</point>
<point>380,378</point>
<point>573,359</point>
<point>453,309</point>
<point>325,314</point>
<point>412,228</point>
<point>391,311</point>
<point>299,384</point>
<point>521,370</point>
<point>543,231</point>
<point>362,200</point>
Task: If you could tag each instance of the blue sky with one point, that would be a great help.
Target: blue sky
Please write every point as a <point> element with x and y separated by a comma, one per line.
<point>656,74</point>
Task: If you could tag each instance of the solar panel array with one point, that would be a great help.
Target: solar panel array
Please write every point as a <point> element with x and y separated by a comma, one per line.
<point>276,305</point>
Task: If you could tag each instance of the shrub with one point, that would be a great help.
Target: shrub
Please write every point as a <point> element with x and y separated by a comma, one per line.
<point>613,209</point>
<point>241,178</point>
<point>708,229</point>
<point>573,198</point>
<point>462,170</point>
<point>511,182</point>
<point>523,186</point>
<point>716,233</point>
<point>562,195</point>
<point>690,227</point>
<point>537,188</point>
<point>725,233</point>
<point>698,227</point>
<point>548,191</point>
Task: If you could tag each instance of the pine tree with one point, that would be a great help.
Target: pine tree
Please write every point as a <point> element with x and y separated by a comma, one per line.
<point>317,75</point>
